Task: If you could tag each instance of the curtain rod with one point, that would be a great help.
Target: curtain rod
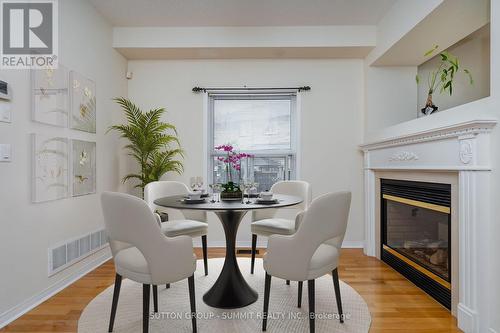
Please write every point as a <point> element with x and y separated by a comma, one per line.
<point>201,89</point>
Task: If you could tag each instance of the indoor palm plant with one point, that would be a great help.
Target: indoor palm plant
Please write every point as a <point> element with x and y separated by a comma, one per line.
<point>152,143</point>
<point>441,78</point>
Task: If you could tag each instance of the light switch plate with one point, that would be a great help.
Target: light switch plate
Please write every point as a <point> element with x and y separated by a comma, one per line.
<point>5,114</point>
<point>5,153</point>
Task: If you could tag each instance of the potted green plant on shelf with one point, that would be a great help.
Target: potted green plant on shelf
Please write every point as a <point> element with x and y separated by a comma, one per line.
<point>441,78</point>
<point>232,162</point>
<point>153,144</point>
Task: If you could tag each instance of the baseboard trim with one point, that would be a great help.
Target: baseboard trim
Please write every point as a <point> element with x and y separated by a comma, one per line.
<point>27,305</point>
<point>466,319</point>
<point>197,243</point>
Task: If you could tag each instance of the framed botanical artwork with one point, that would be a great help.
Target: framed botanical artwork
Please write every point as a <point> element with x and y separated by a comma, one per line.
<point>83,162</point>
<point>50,168</point>
<point>83,103</point>
<point>50,98</point>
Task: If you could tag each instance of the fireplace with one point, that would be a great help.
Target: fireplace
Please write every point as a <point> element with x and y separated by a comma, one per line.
<point>453,150</point>
<point>416,234</point>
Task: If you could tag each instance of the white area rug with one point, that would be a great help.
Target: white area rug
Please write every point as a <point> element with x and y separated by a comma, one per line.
<point>174,307</point>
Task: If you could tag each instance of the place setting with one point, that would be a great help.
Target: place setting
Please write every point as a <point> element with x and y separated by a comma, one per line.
<point>246,192</point>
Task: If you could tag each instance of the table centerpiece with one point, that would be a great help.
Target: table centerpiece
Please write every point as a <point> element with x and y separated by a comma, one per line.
<point>232,161</point>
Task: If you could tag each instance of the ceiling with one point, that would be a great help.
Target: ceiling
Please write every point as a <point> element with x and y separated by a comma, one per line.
<point>184,13</point>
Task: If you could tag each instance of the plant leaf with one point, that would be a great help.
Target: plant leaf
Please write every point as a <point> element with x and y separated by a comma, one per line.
<point>429,52</point>
<point>448,86</point>
<point>471,80</point>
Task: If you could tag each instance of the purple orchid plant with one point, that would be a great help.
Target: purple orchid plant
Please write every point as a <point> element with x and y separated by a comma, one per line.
<point>232,160</point>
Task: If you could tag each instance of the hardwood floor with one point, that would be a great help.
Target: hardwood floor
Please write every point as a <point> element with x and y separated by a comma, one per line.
<point>395,304</point>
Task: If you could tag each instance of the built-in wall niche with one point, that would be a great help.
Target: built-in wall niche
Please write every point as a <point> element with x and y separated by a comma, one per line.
<point>473,53</point>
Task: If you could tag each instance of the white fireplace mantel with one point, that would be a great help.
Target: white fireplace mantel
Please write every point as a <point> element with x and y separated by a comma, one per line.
<point>462,147</point>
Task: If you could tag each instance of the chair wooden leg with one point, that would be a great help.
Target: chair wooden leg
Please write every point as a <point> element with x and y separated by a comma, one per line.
<point>146,294</point>
<point>287,282</point>
<point>336,285</point>
<point>192,301</point>
<point>155,298</point>
<point>299,295</point>
<point>310,289</point>
<point>267,290</point>
<point>205,254</point>
<point>167,286</point>
<point>254,249</point>
<point>114,304</point>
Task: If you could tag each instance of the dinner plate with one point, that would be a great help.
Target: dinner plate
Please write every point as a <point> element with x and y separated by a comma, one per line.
<point>193,201</point>
<point>267,202</point>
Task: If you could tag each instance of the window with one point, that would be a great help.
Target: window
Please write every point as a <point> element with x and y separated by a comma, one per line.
<point>263,125</point>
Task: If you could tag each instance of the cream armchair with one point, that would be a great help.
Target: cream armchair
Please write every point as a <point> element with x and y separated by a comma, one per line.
<point>264,221</point>
<point>194,223</point>
<point>142,253</point>
<point>312,251</point>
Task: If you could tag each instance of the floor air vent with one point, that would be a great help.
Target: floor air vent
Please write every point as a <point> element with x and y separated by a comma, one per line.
<point>65,255</point>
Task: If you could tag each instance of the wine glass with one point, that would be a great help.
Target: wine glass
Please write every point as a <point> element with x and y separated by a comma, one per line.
<point>218,190</point>
<point>199,183</point>
<point>212,187</point>
<point>248,187</point>
<point>192,183</point>
<point>242,189</point>
<point>255,187</point>
<point>252,187</point>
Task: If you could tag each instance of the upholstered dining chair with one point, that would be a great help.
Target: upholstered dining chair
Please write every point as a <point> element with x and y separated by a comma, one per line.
<point>143,254</point>
<point>315,249</point>
<point>264,222</point>
<point>194,223</point>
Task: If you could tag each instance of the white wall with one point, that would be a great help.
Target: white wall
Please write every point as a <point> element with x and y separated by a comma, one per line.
<point>332,117</point>
<point>28,230</point>
<point>390,96</point>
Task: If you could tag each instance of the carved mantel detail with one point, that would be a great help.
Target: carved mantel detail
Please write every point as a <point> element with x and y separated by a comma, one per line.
<point>466,152</point>
<point>403,156</point>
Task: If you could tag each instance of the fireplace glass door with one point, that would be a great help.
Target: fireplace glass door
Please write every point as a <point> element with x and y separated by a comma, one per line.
<point>420,232</point>
<point>416,234</point>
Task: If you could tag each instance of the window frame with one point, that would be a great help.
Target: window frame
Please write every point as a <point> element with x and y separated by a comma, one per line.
<point>290,155</point>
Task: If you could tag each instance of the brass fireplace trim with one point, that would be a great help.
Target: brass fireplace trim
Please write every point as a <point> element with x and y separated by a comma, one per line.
<point>421,269</point>
<point>426,205</point>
